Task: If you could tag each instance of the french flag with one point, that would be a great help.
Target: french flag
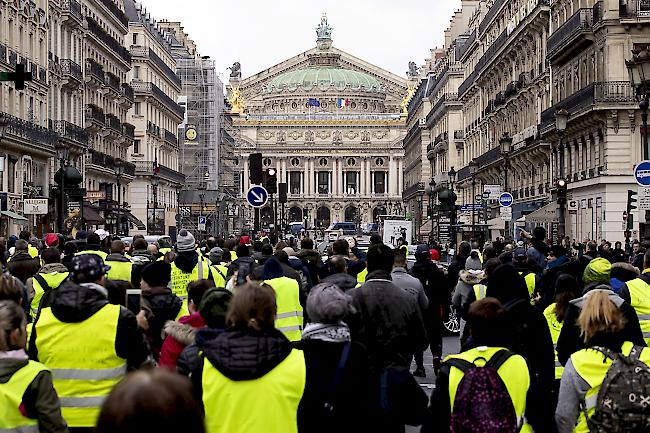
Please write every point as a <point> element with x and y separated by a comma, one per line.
<point>342,103</point>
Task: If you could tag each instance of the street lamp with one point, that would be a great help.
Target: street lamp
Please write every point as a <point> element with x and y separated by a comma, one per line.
<point>119,168</point>
<point>506,146</point>
<point>430,190</point>
<point>452,178</point>
<point>155,181</point>
<point>639,70</point>
<point>473,169</point>
<point>62,154</point>
<point>561,120</point>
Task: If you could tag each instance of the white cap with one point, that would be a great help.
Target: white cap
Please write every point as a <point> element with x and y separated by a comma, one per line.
<point>103,234</point>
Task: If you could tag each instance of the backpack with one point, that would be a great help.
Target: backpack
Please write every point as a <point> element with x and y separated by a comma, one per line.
<point>482,402</point>
<point>623,403</point>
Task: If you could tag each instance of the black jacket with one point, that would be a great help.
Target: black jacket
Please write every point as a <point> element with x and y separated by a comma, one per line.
<point>246,260</point>
<point>344,281</point>
<point>72,303</point>
<point>388,322</point>
<point>351,398</point>
<point>434,282</point>
<point>140,259</point>
<point>311,259</point>
<point>454,269</point>
<point>23,266</point>
<point>160,305</point>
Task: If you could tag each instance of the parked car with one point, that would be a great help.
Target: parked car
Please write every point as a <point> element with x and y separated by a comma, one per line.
<point>166,240</point>
<point>371,229</point>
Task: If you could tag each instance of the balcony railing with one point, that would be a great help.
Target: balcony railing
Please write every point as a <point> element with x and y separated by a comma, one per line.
<point>459,134</point>
<point>489,157</point>
<point>95,70</point>
<point>112,81</point>
<point>72,8</point>
<point>140,51</point>
<point>578,25</point>
<point>463,48</point>
<point>70,131</point>
<point>72,70</point>
<point>128,168</point>
<point>144,87</point>
<point>101,159</point>
<point>113,122</point>
<point>152,128</point>
<point>412,190</point>
<point>635,9</point>
<point>490,14</point>
<point>127,91</point>
<point>440,138</point>
<point>95,114</point>
<point>121,17</point>
<point>107,39</point>
<point>465,85</point>
<point>29,131</point>
<point>128,130</point>
<point>171,138</point>
<point>146,168</point>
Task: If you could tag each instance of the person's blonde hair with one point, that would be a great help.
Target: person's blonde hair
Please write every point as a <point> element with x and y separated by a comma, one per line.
<point>599,315</point>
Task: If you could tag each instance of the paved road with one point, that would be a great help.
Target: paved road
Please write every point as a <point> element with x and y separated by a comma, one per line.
<point>449,345</point>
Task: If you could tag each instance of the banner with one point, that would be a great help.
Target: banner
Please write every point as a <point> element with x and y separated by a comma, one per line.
<point>156,221</point>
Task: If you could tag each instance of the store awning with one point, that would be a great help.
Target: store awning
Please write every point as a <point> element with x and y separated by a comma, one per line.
<point>92,217</point>
<point>13,215</point>
<point>543,215</point>
<point>136,222</point>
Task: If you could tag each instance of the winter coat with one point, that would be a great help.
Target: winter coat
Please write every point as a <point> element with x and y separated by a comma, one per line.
<point>570,340</point>
<point>305,277</point>
<point>235,265</point>
<point>140,259</point>
<point>454,270</point>
<point>388,322</point>
<point>160,306</point>
<point>538,252</point>
<point>23,266</point>
<point>434,282</point>
<point>351,397</point>
<point>343,280</point>
<point>411,285</point>
<point>179,335</point>
<point>465,286</point>
<point>40,400</point>
<point>73,303</point>
<point>312,259</point>
<point>47,269</point>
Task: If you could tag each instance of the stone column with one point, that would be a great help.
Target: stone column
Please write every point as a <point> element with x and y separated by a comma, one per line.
<point>400,176</point>
<point>284,177</point>
<point>333,181</point>
<point>303,178</point>
<point>246,170</point>
<point>341,180</point>
<point>369,186</point>
<point>362,178</point>
<point>391,186</point>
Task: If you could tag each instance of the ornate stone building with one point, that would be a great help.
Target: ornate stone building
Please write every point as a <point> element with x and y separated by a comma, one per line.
<point>332,126</point>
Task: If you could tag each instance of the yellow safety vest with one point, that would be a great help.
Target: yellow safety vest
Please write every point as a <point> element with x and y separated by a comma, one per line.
<point>289,318</point>
<point>555,326</point>
<point>83,361</point>
<point>180,280</point>
<point>11,397</point>
<point>531,283</point>
<point>99,253</point>
<point>268,404</point>
<point>164,251</point>
<point>514,373</point>
<point>53,280</point>
<point>33,251</point>
<point>640,300</point>
<point>119,271</point>
<point>589,364</point>
<point>219,274</point>
<point>480,291</point>
<point>361,276</point>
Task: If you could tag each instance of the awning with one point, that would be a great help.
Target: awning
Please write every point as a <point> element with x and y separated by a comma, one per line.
<point>425,229</point>
<point>543,215</point>
<point>496,224</point>
<point>92,217</point>
<point>135,221</point>
<point>13,215</point>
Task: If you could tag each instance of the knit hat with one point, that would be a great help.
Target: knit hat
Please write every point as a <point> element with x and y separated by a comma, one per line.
<point>327,303</point>
<point>597,271</point>
<point>157,274</point>
<point>216,254</point>
<point>435,254</point>
<point>185,241</point>
<point>87,268</point>
<point>245,240</point>
<point>51,240</point>
<point>473,263</point>
<point>272,269</point>
<point>422,251</point>
<point>214,306</point>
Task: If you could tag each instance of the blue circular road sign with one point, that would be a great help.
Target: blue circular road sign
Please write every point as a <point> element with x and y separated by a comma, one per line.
<point>505,199</point>
<point>642,173</point>
<point>257,196</point>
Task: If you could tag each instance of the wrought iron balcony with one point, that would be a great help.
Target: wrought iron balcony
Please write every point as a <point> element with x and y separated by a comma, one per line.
<point>72,72</point>
<point>153,129</point>
<point>128,168</point>
<point>469,81</point>
<point>148,53</point>
<point>94,117</point>
<point>101,159</point>
<point>151,89</point>
<point>463,174</point>
<point>113,82</point>
<point>440,138</point>
<point>571,36</point>
<point>72,9</point>
<point>490,14</point>
<point>127,94</point>
<point>146,168</point>
<point>412,190</point>
<point>112,7</point>
<point>511,89</point>
<point>94,72</point>
<point>489,157</point>
<point>70,131</point>
<point>459,134</point>
<point>171,138</point>
<point>128,130</point>
<point>29,131</point>
<point>635,10</point>
<point>113,122</point>
<point>108,40</point>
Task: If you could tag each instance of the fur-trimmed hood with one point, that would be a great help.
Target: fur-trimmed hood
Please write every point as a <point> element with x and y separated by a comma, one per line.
<point>183,333</point>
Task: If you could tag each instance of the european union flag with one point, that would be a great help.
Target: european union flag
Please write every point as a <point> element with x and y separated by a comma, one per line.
<point>313,102</point>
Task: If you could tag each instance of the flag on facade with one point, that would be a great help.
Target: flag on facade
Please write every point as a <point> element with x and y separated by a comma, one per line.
<point>342,103</point>
<point>313,102</point>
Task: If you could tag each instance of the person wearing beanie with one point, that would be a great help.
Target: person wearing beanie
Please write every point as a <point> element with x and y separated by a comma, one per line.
<point>467,278</point>
<point>188,266</point>
<point>596,277</point>
<point>324,342</point>
<point>289,318</point>
<point>244,262</point>
<point>51,240</point>
<point>157,305</point>
<point>219,270</point>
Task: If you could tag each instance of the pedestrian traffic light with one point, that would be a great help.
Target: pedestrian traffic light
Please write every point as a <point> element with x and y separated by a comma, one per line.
<point>631,200</point>
<point>561,188</point>
<point>271,180</point>
<point>256,172</point>
<point>282,192</point>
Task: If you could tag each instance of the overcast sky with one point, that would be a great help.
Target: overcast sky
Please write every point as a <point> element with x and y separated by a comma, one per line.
<point>262,33</point>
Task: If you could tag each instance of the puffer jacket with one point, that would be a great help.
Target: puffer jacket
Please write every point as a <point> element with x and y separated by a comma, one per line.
<point>23,266</point>
<point>160,306</point>
<point>343,280</point>
<point>179,335</point>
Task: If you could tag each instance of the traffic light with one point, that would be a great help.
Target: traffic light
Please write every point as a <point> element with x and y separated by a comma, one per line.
<point>631,200</point>
<point>271,180</point>
<point>561,188</point>
<point>282,193</point>
<point>256,172</point>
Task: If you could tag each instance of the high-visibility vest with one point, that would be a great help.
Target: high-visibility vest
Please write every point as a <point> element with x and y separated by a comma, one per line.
<point>591,367</point>
<point>219,273</point>
<point>361,276</point>
<point>164,251</point>
<point>640,300</point>
<point>289,318</point>
<point>33,251</point>
<point>180,280</point>
<point>480,291</point>
<point>514,373</point>
<point>531,283</point>
<point>11,398</point>
<point>119,271</point>
<point>99,253</point>
<point>555,326</point>
<point>267,404</point>
<point>53,280</point>
<point>83,361</point>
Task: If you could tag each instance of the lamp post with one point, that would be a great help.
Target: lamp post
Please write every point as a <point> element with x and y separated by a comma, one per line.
<point>505,143</point>
<point>561,120</point>
<point>4,122</point>
<point>119,167</point>
<point>155,181</point>
<point>62,154</point>
<point>430,190</point>
<point>473,169</point>
<point>639,70</point>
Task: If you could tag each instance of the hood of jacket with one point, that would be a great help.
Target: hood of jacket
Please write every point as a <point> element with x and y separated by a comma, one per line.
<point>21,256</point>
<point>344,281</point>
<point>161,302</point>
<point>471,278</point>
<point>10,362</point>
<point>243,354</point>
<point>75,303</point>
<point>309,255</point>
<point>52,268</point>
<point>117,257</point>
<point>187,260</point>
<point>141,255</point>
<point>184,330</point>
<point>580,302</point>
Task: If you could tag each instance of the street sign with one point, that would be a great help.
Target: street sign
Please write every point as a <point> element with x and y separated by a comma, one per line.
<point>478,197</point>
<point>573,206</point>
<point>643,198</point>
<point>505,213</point>
<point>202,223</point>
<point>494,191</point>
<point>257,196</point>
<point>35,206</point>
<point>642,173</point>
<point>470,207</point>
<point>506,199</point>
<point>185,211</point>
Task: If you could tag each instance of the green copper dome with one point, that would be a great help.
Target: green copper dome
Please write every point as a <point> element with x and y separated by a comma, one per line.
<point>323,79</point>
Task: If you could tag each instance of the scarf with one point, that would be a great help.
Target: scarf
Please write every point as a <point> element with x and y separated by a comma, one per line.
<point>331,333</point>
